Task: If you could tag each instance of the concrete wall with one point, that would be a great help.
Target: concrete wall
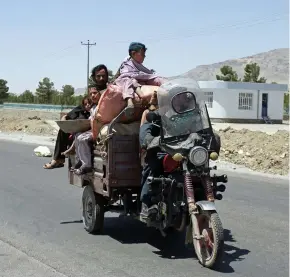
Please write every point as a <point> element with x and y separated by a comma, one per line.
<point>226,103</point>
<point>39,107</point>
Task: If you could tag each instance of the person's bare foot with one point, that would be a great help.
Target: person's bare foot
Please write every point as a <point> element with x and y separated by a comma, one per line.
<point>139,92</point>
<point>77,166</point>
<point>83,170</point>
<point>130,107</point>
<point>130,102</point>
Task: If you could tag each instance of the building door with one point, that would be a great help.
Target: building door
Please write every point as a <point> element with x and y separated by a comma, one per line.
<point>264,105</point>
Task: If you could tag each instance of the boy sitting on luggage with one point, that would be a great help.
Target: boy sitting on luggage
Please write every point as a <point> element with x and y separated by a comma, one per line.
<point>132,74</point>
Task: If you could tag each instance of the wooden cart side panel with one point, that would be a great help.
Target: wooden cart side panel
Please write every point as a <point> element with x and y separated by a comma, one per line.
<point>124,162</point>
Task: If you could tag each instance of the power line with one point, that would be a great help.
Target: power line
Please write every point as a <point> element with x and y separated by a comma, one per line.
<point>200,32</point>
<point>191,33</point>
<point>88,62</point>
<point>210,30</point>
<point>62,50</point>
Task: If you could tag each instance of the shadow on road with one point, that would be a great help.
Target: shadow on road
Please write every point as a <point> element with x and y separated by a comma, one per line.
<point>132,232</point>
<point>128,231</point>
<point>232,253</point>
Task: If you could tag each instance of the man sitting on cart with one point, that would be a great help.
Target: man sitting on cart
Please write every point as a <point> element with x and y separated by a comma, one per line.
<point>83,141</point>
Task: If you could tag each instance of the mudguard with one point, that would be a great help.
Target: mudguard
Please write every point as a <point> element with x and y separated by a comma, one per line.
<point>206,205</point>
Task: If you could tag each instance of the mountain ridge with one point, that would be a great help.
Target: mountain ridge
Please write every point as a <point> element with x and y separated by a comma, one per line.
<point>274,66</point>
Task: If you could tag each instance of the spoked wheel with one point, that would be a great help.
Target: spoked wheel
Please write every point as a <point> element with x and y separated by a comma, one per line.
<point>93,211</point>
<point>209,249</point>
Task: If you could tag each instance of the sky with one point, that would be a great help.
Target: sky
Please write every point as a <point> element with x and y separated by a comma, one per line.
<point>43,38</point>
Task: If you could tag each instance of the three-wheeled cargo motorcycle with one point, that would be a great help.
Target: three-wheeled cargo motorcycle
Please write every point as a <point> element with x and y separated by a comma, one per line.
<point>185,192</point>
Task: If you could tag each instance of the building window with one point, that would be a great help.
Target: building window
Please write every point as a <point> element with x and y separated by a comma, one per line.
<point>208,98</point>
<point>245,101</point>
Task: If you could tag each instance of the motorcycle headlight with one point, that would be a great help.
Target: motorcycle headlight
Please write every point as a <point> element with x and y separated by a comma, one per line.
<point>198,155</point>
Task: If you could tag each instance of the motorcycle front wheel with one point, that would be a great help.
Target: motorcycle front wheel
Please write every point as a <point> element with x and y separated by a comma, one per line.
<point>210,247</point>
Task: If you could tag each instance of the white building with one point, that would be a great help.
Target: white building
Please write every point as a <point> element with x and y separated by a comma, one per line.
<point>244,102</point>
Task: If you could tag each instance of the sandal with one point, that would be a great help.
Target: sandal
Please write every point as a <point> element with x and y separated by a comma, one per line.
<point>83,170</point>
<point>54,164</point>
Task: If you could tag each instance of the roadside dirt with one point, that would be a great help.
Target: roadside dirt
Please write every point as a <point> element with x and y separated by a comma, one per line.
<point>254,149</point>
<point>30,122</point>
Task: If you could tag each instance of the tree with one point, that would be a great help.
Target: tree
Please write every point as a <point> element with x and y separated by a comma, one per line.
<point>228,74</point>
<point>252,73</point>
<point>26,97</point>
<point>3,90</point>
<point>66,95</point>
<point>45,91</point>
<point>77,100</point>
<point>12,98</point>
<point>286,102</point>
<point>68,90</point>
<point>56,97</point>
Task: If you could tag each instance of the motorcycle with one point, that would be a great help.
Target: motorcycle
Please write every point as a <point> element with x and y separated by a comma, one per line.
<point>185,192</point>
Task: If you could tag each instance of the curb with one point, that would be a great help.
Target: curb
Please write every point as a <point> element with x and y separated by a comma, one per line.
<point>248,174</point>
<point>234,169</point>
<point>28,139</point>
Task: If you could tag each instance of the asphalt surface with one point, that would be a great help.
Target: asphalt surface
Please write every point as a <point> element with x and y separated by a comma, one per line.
<point>41,233</point>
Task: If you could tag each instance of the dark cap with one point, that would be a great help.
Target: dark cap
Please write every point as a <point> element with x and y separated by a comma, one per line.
<point>136,46</point>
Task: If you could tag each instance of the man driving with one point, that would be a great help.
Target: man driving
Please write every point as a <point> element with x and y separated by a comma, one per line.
<point>153,161</point>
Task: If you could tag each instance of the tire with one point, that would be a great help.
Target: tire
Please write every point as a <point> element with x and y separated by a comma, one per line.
<point>93,211</point>
<point>218,238</point>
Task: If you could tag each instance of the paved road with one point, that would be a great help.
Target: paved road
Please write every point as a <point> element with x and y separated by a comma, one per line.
<point>41,233</point>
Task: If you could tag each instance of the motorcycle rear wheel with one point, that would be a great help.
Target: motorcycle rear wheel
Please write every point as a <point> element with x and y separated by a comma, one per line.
<point>210,248</point>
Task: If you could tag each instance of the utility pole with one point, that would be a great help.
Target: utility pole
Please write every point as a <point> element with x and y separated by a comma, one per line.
<point>88,63</point>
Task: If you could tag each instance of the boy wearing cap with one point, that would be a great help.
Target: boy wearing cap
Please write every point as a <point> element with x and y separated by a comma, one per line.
<point>132,74</point>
